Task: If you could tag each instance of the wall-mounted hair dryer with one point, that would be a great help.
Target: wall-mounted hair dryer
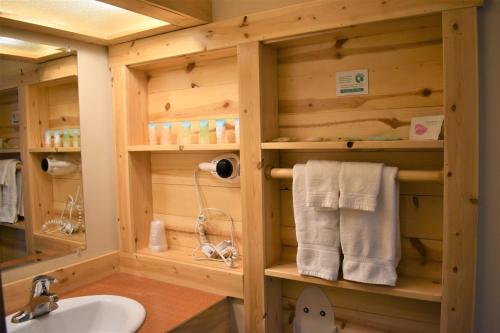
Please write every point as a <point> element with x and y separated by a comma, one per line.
<point>60,165</point>
<point>225,167</point>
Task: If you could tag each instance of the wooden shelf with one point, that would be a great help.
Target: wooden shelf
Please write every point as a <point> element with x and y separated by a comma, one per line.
<point>18,225</point>
<point>55,150</point>
<point>185,258</point>
<point>408,287</point>
<point>75,239</point>
<point>10,151</point>
<point>401,145</point>
<point>192,147</point>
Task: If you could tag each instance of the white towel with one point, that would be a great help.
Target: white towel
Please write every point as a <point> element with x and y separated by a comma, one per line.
<point>317,233</point>
<point>8,191</point>
<point>359,185</point>
<point>370,240</point>
<point>322,184</point>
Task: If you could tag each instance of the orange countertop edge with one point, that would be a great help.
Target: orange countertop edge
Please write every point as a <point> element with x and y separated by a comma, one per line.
<point>167,305</point>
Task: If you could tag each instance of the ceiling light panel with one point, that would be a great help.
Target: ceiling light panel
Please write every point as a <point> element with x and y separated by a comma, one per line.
<point>86,17</point>
<point>25,49</point>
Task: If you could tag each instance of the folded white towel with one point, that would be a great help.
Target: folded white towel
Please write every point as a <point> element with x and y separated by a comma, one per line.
<point>322,184</point>
<point>8,191</point>
<point>359,185</point>
<point>317,233</point>
<point>370,240</point>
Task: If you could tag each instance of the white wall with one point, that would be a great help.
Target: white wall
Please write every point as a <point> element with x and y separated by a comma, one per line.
<point>488,268</point>
<point>94,88</point>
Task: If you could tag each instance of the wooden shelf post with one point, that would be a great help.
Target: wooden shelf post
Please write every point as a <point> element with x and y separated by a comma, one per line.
<point>461,169</point>
<point>260,211</point>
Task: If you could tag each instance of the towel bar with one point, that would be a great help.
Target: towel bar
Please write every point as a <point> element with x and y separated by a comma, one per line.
<point>407,176</point>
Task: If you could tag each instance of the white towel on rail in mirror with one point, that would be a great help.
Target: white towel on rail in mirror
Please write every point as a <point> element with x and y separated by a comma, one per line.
<point>317,233</point>
<point>371,240</point>
<point>8,191</point>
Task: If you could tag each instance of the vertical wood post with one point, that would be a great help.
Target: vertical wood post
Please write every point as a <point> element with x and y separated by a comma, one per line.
<point>461,169</point>
<point>260,197</point>
<point>120,92</point>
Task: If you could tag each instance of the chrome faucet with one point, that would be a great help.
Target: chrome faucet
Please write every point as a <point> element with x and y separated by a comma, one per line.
<point>41,302</point>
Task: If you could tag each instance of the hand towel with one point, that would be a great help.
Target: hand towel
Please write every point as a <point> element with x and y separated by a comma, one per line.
<point>359,185</point>
<point>370,240</point>
<point>8,191</point>
<point>322,184</point>
<point>317,233</point>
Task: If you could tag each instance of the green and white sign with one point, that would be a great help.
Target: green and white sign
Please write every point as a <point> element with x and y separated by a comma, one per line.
<point>352,82</point>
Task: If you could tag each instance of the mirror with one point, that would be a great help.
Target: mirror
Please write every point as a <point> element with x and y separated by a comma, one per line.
<point>41,188</point>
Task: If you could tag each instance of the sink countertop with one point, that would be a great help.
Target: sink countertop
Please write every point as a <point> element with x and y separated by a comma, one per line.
<point>167,305</point>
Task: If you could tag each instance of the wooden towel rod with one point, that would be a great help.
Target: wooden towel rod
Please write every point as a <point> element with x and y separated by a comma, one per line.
<point>407,176</point>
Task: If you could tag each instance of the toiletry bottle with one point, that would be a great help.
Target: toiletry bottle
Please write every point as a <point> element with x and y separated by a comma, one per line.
<point>57,138</point>
<point>48,139</point>
<point>76,137</point>
<point>152,134</point>
<point>66,142</point>
<point>166,134</point>
<point>220,130</point>
<point>204,135</point>
<point>186,132</point>
<point>237,130</point>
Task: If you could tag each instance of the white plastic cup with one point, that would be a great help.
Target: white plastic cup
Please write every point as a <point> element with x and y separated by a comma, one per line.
<point>157,239</point>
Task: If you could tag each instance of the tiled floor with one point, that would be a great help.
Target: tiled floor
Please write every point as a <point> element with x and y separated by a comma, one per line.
<point>167,305</point>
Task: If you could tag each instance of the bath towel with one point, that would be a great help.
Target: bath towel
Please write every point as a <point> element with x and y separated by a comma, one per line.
<point>322,184</point>
<point>317,233</point>
<point>359,185</point>
<point>370,240</point>
<point>8,191</point>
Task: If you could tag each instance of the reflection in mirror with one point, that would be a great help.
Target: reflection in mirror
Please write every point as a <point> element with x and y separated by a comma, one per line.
<point>41,190</point>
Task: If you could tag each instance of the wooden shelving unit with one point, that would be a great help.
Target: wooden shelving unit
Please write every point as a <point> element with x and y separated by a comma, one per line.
<point>51,104</point>
<point>279,78</point>
<point>396,145</point>
<point>161,183</point>
<point>14,237</point>
<point>409,287</point>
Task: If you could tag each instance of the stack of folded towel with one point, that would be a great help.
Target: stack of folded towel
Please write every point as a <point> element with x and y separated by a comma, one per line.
<point>349,206</point>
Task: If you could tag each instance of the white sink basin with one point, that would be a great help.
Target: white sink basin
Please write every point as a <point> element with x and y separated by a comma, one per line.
<point>99,313</point>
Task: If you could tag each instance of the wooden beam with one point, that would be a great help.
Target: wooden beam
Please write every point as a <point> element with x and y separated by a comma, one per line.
<point>302,18</point>
<point>461,169</point>
<point>251,186</point>
<point>182,13</point>
<point>119,79</point>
